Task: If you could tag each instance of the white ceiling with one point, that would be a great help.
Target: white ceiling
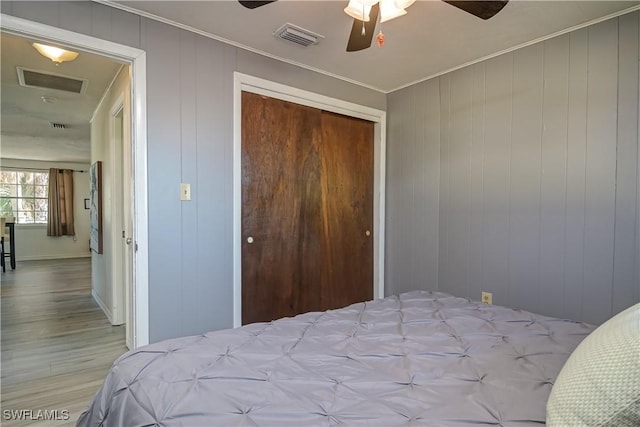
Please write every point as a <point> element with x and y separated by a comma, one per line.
<point>25,129</point>
<point>432,38</point>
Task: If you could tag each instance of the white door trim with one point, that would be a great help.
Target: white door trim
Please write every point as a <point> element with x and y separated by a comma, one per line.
<point>244,82</point>
<point>138,60</point>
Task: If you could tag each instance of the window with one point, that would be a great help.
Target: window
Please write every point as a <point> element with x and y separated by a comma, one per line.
<point>24,194</point>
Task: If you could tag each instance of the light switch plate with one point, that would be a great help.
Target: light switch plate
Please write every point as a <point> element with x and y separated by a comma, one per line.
<point>487,297</point>
<point>185,191</point>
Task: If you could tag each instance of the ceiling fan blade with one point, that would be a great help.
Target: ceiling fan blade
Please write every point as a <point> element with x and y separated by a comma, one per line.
<point>481,9</point>
<point>357,41</point>
<point>251,4</point>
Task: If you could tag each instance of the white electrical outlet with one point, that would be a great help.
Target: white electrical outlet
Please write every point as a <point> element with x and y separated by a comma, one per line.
<point>487,297</point>
<point>185,191</point>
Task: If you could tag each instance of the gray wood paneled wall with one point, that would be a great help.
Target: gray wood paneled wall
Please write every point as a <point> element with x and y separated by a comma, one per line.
<point>190,139</point>
<point>519,176</point>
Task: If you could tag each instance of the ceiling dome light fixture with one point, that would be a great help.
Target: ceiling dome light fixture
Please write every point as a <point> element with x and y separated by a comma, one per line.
<point>389,9</point>
<point>55,54</point>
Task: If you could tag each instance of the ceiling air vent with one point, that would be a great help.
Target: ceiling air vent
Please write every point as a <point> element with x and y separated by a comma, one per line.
<point>58,125</point>
<point>297,35</point>
<point>45,80</point>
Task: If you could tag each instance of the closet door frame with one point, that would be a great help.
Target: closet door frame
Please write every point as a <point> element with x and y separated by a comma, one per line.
<point>247,83</point>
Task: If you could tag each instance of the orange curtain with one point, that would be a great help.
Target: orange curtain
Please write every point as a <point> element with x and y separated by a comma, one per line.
<point>60,203</point>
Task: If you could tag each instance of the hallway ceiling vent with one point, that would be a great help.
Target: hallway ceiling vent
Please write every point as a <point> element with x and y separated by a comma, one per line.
<point>297,35</point>
<point>57,125</point>
<point>46,80</point>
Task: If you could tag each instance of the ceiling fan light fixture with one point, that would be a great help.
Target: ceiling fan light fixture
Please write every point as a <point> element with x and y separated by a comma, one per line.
<point>359,9</point>
<point>55,54</point>
<point>389,10</point>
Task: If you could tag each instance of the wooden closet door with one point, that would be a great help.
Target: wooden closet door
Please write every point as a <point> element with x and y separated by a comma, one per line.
<point>307,177</point>
<point>347,209</point>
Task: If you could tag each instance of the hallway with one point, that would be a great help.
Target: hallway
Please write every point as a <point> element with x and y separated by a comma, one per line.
<point>57,344</point>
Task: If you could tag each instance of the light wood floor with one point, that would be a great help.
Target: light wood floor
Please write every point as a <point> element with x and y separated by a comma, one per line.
<point>57,344</point>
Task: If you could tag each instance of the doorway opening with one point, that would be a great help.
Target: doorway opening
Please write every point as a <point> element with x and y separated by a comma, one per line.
<point>136,60</point>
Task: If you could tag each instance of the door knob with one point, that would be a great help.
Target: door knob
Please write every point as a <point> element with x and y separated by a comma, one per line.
<point>128,241</point>
<point>249,239</point>
<point>367,233</point>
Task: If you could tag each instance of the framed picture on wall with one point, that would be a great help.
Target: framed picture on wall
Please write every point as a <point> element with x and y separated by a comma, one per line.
<point>95,208</point>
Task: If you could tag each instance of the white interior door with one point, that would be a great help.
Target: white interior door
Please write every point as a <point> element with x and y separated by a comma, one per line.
<point>128,241</point>
<point>115,256</point>
<point>123,258</point>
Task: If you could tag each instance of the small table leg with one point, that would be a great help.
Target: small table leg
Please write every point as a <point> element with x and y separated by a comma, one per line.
<point>12,244</point>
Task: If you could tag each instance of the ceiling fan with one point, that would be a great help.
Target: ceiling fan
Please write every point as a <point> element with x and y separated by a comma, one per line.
<point>365,14</point>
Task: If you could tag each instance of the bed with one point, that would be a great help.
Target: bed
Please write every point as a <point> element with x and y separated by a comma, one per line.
<point>418,358</point>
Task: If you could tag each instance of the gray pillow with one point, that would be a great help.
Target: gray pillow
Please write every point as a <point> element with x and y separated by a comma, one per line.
<point>599,385</point>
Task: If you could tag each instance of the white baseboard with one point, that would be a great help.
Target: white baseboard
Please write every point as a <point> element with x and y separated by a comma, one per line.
<point>102,305</point>
<point>48,257</point>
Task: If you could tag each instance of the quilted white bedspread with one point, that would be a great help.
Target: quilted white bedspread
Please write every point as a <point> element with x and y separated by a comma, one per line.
<point>420,358</point>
